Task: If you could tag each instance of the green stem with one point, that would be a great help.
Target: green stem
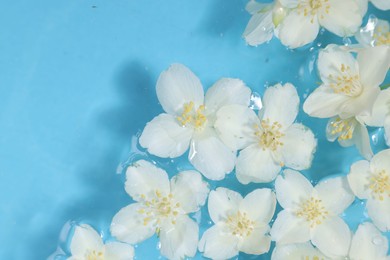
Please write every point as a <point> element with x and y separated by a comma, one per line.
<point>383,87</point>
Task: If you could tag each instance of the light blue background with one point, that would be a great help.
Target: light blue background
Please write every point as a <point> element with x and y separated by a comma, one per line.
<point>77,82</point>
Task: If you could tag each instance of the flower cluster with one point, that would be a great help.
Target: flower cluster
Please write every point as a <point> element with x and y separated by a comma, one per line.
<point>220,132</point>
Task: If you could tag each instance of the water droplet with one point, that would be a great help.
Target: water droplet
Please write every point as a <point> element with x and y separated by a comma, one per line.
<point>377,240</point>
<point>158,246</point>
<point>255,102</point>
<point>347,41</point>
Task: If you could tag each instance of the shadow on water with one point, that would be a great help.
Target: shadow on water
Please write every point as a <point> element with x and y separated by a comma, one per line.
<point>222,16</point>
<point>103,190</point>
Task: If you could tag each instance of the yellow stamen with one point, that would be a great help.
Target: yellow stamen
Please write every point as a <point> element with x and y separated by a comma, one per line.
<point>269,135</point>
<point>191,117</point>
<point>379,184</point>
<point>240,225</point>
<point>346,83</point>
<point>343,128</point>
<point>312,211</point>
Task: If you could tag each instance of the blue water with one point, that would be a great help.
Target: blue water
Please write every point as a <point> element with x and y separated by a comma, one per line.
<point>77,81</point>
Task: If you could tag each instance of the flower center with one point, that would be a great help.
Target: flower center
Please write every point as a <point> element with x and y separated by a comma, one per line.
<point>381,36</point>
<point>94,255</point>
<point>159,207</point>
<point>342,128</point>
<point>193,117</point>
<point>269,134</point>
<point>346,83</point>
<point>312,211</point>
<point>312,8</point>
<point>379,184</point>
<point>239,224</point>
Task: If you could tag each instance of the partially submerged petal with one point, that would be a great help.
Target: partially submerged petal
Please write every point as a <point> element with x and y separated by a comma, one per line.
<point>368,243</point>
<point>265,201</point>
<point>235,126</point>
<point>177,86</point>
<point>128,225</point>
<point>164,137</point>
<point>211,156</point>
<point>335,194</point>
<point>260,28</point>
<point>343,18</point>
<point>297,251</point>
<point>222,203</point>
<point>381,4</point>
<point>332,237</point>
<point>118,251</point>
<point>281,104</point>
<point>85,239</point>
<point>143,179</point>
<point>190,190</point>
<point>292,188</point>
<point>227,91</point>
<point>299,145</point>
<point>288,229</point>
<point>256,165</point>
<point>379,212</point>
<point>180,240</point>
<point>297,30</point>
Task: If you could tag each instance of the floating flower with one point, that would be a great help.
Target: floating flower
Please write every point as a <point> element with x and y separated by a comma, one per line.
<point>304,251</point>
<point>241,224</point>
<point>265,17</point>
<point>303,21</point>
<point>349,89</point>
<point>189,120</point>
<point>161,207</point>
<point>271,139</point>
<point>367,243</point>
<point>87,244</point>
<point>375,33</point>
<point>311,213</point>
<point>370,180</point>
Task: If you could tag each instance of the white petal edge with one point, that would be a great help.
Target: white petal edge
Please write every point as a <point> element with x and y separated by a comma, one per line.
<point>118,251</point>
<point>299,145</point>
<point>260,28</point>
<point>235,126</point>
<point>292,188</point>
<point>190,190</point>
<point>181,240</point>
<point>288,229</point>
<point>340,197</point>
<point>358,178</point>
<point>227,91</point>
<point>265,201</point>
<point>281,104</point>
<point>222,203</point>
<point>217,244</point>
<point>164,137</point>
<point>128,226</point>
<point>368,243</point>
<point>379,212</point>
<point>297,30</point>
<point>209,155</point>
<point>85,239</point>
<point>297,251</point>
<point>256,165</point>
<point>177,86</point>
<point>144,178</point>
<point>332,237</point>
<point>381,4</point>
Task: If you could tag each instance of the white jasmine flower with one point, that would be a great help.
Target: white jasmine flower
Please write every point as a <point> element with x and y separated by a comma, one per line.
<point>303,22</point>
<point>298,251</point>
<point>312,213</point>
<point>348,132</point>
<point>350,86</point>
<point>265,17</point>
<point>87,244</point>
<point>189,119</point>
<point>380,116</point>
<point>271,139</point>
<point>370,180</point>
<point>161,207</point>
<point>367,243</point>
<point>381,4</point>
<point>241,224</point>
<point>375,33</point>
